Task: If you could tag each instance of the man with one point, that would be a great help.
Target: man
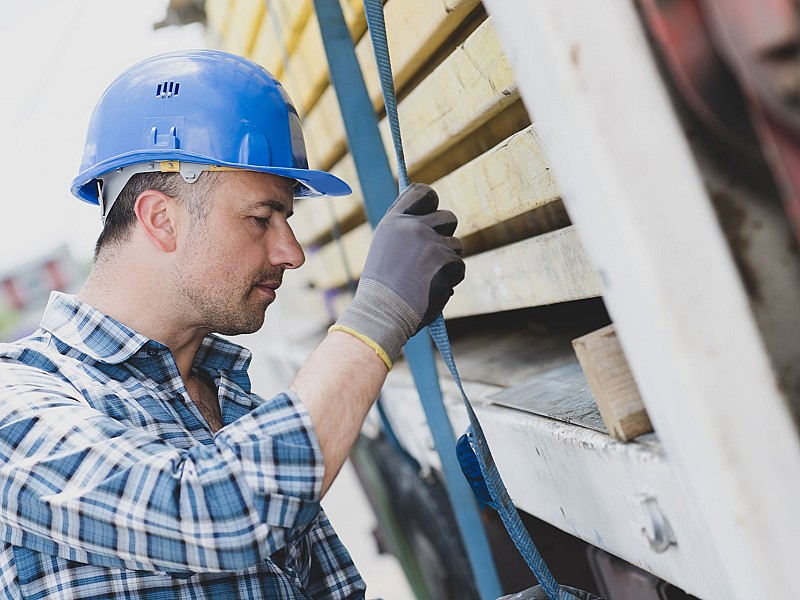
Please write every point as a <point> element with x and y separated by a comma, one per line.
<point>135,462</point>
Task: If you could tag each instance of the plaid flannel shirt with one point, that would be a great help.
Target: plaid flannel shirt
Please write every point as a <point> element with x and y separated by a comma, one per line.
<point>113,485</point>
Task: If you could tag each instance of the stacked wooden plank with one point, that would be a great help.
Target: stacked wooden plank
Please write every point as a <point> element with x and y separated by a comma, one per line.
<point>465,132</point>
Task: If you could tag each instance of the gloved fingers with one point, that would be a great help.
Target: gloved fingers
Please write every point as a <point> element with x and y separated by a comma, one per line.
<point>441,288</point>
<point>416,199</point>
<point>455,244</point>
<point>443,222</point>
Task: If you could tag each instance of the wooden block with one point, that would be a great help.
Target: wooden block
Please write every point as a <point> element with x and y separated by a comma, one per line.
<point>242,26</point>
<point>323,129</point>
<point>612,383</point>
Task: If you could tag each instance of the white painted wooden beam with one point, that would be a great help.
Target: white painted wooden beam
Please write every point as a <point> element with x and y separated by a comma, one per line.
<point>588,79</point>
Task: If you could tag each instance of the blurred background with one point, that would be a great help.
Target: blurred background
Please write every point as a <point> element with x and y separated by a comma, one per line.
<point>60,56</point>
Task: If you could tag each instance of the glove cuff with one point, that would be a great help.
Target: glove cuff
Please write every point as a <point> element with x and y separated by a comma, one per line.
<point>380,318</point>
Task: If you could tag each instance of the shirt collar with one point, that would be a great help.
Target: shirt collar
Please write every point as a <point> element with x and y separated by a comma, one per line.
<point>103,338</point>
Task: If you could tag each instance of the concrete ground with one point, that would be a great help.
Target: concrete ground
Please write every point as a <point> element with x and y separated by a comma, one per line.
<point>349,511</point>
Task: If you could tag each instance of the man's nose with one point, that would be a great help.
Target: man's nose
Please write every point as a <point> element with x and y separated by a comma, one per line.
<point>285,250</point>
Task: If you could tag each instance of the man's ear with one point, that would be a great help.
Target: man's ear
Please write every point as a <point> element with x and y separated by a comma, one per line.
<point>156,214</point>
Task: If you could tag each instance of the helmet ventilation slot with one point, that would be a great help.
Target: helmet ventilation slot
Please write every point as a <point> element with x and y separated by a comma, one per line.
<point>168,89</point>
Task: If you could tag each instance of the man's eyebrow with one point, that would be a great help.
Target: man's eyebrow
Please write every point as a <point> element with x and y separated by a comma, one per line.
<point>275,205</point>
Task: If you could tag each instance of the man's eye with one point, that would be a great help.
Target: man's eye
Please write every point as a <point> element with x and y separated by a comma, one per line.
<point>261,221</point>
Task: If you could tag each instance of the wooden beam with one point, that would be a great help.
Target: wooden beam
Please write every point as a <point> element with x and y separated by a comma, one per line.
<point>306,74</point>
<point>671,283</point>
<point>242,26</point>
<point>335,263</point>
<point>473,85</point>
<point>427,22</point>
<point>314,218</point>
<point>510,179</point>
<point>279,33</point>
<point>612,383</point>
<point>323,128</point>
<point>217,15</point>
<point>546,269</point>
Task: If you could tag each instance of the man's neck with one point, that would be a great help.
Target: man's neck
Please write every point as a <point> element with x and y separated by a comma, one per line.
<point>127,293</point>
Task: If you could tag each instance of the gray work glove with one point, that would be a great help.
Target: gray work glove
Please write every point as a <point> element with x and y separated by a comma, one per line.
<point>413,264</point>
<point>538,593</point>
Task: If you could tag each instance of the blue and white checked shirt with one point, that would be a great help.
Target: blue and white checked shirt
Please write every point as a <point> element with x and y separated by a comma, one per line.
<point>112,485</point>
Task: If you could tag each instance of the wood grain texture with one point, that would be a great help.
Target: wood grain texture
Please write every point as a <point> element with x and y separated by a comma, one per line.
<point>468,89</point>
<point>314,218</point>
<point>242,26</point>
<point>279,33</point>
<point>217,13</point>
<point>335,263</point>
<point>510,179</point>
<point>611,381</point>
<point>543,270</point>
<point>427,22</point>
<point>471,86</point>
<point>306,70</point>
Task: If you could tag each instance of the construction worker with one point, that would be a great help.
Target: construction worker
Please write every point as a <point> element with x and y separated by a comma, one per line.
<point>135,461</point>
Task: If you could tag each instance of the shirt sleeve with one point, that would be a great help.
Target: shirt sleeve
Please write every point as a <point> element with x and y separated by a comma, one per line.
<point>80,485</point>
<point>331,566</point>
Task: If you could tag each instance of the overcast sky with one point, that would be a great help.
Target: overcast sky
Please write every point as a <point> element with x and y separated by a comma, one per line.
<point>58,57</point>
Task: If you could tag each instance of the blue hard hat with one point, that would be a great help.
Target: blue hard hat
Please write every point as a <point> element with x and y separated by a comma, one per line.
<point>204,107</point>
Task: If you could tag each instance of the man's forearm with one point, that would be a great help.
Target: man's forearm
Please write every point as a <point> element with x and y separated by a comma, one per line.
<point>338,385</point>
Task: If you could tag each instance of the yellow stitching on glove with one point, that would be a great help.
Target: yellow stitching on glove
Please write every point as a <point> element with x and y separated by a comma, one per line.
<point>368,341</point>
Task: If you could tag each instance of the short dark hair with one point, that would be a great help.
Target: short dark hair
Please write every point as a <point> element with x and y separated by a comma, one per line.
<point>122,218</point>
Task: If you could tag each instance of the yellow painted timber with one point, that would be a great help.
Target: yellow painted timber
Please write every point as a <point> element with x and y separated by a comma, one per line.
<point>474,84</point>
<point>510,179</point>
<point>242,25</point>
<point>307,67</point>
<point>324,133</point>
<point>325,269</point>
<point>217,13</point>
<point>471,86</point>
<point>313,217</point>
<point>279,33</point>
<point>546,269</point>
<point>415,30</point>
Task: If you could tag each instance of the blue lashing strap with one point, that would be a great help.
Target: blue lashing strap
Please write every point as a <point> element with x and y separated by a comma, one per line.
<point>379,188</point>
<point>472,448</point>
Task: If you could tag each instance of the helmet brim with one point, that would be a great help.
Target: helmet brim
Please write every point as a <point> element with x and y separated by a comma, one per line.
<point>313,183</point>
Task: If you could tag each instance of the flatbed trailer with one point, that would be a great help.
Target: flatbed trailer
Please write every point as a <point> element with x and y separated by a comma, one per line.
<point>590,194</point>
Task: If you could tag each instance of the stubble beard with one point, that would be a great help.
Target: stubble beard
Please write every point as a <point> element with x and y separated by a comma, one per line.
<point>235,311</point>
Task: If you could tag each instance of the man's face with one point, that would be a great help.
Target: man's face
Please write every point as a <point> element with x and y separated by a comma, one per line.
<point>232,261</point>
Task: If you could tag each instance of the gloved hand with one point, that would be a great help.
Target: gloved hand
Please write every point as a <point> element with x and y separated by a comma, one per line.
<point>538,593</point>
<point>413,264</point>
